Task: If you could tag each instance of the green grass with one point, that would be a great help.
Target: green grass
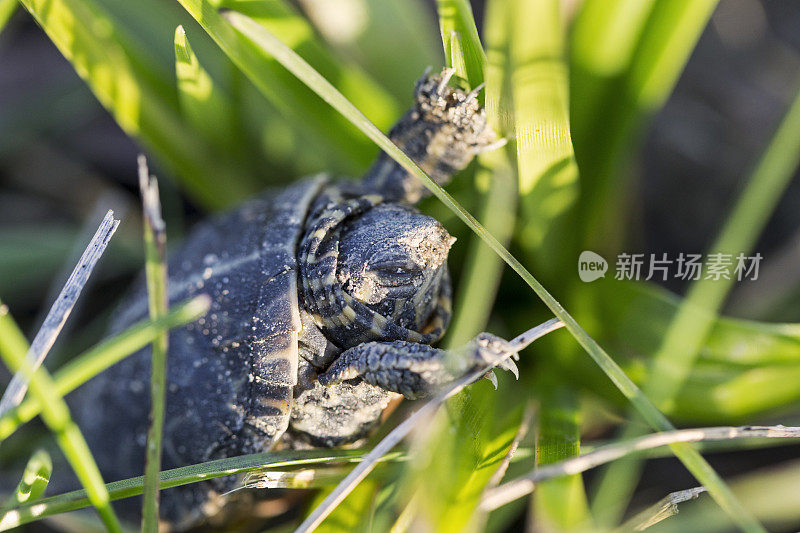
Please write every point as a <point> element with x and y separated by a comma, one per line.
<point>56,416</point>
<point>34,480</point>
<point>155,253</point>
<point>259,94</point>
<point>689,330</point>
<point>71,501</point>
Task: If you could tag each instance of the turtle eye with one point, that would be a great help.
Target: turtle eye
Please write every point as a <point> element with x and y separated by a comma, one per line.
<point>393,273</point>
<point>393,268</point>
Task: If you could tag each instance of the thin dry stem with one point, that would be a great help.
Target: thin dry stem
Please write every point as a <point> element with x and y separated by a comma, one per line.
<point>661,510</point>
<point>524,485</point>
<point>59,312</point>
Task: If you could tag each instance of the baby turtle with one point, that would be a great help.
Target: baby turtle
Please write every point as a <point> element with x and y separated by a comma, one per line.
<point>326,297</point>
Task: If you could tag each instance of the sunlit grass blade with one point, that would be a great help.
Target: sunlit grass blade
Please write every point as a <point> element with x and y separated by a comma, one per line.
<point>667,32</point>
<point>110,351</point>
<point>459,453</point>
<point>693,461</point>
<point>203,103</point>
<point>455,56</point>
<point>548,181</point>
<point>117,490</point>
<point>56,416</point>
<point>354,513</point>
<point>320,125</point>
<point>559,504</point>
<point>548,174</point>
<point>34,480</point>
<point>85,35</point>
<point>155,251</point>
<point>455,18</point>
<point>7,10</point>
<point>495,177</point>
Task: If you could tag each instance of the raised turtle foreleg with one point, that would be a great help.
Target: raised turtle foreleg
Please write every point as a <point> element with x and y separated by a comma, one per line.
<point>416,370</point>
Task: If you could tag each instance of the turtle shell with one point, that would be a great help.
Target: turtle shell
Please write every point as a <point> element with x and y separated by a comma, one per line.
<point>246,261</point>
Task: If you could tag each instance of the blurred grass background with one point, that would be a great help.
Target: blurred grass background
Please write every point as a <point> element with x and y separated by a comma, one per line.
<point>655,170</point>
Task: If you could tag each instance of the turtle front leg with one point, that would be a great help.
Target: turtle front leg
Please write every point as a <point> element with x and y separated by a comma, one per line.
<point>416,370</point>
<point>442,132</point>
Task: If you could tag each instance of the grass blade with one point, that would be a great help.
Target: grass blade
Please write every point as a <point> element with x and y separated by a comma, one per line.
<point>455,18</point>
<point>693,461</point>
<point>355,513</point>
<point>85,35</point>
<point>611,452</point>
<point>662,35</point>
<point>548,182</point>
<point>457,455</point>
<point>548,173</point>
<point>34,480</point>
<point>60,311</point>
<point>695,318</point>
<point>690,328</point>
<point>206,107</point>
<point>559,504</point>
<point>109,352</point>
<point>483,268</point>
<point>155,247</point>
<point>455,56</point>
<point>126,488</point>
<point>7,10</point>
<point>56,416</point>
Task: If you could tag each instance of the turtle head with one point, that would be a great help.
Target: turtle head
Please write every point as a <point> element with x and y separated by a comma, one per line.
<point>393,260</point>
<point>376,272</point>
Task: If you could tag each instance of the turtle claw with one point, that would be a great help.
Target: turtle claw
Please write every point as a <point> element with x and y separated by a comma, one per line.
<point>447,74</point>
<point>473,94</point>
<point>508,364</point>
<point>492,146</point>
<point>492,378</point>
<point>493,349</point>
